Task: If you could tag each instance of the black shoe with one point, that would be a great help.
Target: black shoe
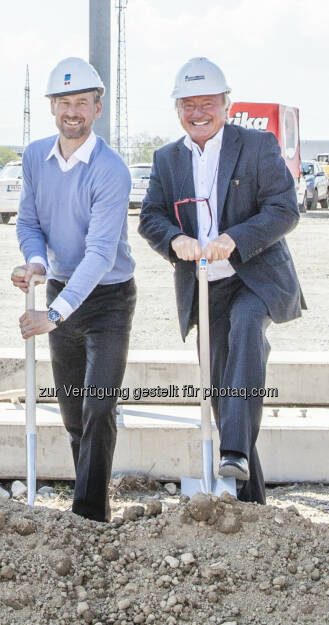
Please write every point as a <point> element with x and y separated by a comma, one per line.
<point>233,465</point>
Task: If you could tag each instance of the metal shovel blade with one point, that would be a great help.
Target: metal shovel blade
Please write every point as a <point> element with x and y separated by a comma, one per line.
<point>208,484</point>
<point>190,486</point>
<point>31,453</point>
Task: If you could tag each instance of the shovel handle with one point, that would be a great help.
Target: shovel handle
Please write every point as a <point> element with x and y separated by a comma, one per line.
<point>206,430</point>
<point>30,379</point>
<point>30,390</point>
<point>36,277</point>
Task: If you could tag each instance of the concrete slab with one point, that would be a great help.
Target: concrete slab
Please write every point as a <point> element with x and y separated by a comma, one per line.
<point>300,377</point>
<point>163,441</point>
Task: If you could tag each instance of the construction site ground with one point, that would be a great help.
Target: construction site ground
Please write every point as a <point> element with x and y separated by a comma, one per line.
<point>163,560</point>
<point>155,323</point>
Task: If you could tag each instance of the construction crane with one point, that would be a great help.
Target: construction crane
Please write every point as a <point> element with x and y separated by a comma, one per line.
<point>27,111</point>
<point>121,118</point>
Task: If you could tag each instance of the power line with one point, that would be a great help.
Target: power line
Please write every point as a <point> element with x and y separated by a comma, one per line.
<point>27,111</point>
<point>121,122</point>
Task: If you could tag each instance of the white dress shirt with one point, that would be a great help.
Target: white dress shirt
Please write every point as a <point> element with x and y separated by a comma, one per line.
<point>81,154</point>
<point>205,174</point>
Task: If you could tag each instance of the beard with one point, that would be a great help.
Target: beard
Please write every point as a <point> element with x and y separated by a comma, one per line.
<point>74,132</point>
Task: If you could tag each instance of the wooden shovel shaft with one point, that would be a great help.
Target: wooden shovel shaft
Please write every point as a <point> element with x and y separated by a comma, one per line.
<point>30,394</point>
<point>30,380</point>
<point>206,430</point>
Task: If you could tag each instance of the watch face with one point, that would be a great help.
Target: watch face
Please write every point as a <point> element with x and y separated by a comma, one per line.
<point>53,315</point>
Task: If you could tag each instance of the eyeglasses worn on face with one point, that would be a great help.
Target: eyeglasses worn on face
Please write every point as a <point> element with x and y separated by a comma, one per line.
<point>194,200</point>
<point>190,107</point>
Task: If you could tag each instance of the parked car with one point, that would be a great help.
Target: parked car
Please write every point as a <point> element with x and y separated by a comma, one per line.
<point>323,160</point>
<point>316,184</point>
<point>140,177</point>
<point>302,195</point>
<point>11,177</point>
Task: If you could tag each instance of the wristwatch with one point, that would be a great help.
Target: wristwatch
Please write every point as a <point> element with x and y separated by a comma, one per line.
<point>54,316</point>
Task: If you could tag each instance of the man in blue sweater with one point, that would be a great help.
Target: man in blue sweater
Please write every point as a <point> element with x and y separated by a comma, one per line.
<point>72,226</point>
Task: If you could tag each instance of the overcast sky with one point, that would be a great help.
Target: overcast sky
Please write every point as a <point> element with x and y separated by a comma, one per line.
<point>270,51</point>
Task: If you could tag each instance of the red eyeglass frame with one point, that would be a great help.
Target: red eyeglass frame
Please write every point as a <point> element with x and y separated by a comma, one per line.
<point>195,200</point>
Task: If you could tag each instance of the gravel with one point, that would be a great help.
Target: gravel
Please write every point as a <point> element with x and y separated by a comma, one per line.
<point>4,493</point>
<point>204,560</point>
<point>18,488</point>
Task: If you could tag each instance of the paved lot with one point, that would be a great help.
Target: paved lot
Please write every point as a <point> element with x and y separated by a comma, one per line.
<point>155,323</point>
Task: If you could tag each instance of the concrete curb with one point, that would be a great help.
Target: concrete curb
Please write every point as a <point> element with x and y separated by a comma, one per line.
<point>163,441</point>
<point>300,377</point>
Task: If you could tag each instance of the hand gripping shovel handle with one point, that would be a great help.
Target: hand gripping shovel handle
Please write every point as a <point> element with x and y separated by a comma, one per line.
<point>30,384</point>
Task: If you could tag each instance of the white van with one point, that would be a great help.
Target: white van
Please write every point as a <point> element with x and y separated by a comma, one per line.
<point>140,178</point>
<point>11,178</point>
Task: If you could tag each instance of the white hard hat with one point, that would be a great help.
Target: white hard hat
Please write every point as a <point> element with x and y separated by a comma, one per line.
<point>199,76</point>
<point>73,75</point>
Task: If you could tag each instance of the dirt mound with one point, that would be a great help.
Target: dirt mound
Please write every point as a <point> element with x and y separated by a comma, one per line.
<point>201,561</point>
<point>124,483</point>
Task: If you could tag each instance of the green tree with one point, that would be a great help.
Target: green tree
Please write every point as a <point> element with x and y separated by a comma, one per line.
<point>142,147</point>
<point>7,155</point>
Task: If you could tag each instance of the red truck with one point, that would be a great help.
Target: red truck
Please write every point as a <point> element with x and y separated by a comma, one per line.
<point>282,120</point>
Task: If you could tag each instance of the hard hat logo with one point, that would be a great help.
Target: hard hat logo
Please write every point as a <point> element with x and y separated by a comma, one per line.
<point>199,76</point>
<point>79,76</point>
<point>188,78</point>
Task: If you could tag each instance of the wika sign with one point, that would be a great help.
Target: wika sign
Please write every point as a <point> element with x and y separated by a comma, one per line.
<point>282,120</point>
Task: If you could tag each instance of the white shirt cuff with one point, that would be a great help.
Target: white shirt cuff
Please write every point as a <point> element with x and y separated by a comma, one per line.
<point>62,306</point>
<point>38,259</point>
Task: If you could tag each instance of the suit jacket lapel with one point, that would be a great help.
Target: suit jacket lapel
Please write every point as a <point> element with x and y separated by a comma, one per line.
<point>231,147</point>
<point>185,188</point>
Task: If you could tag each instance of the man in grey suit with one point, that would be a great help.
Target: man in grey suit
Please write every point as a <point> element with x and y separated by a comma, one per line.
<point>225,193</point>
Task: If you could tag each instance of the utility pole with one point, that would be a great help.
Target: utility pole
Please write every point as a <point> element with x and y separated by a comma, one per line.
<point>27,111</point>
<point>121,119</point>
<point>100,57</point>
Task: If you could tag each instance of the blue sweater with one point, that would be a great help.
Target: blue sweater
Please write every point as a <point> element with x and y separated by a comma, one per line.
<point>76,220</point>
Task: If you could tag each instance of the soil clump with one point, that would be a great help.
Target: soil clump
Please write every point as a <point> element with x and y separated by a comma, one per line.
<point>163,561</point>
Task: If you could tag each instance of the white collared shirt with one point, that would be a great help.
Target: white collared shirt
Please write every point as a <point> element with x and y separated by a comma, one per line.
<point>205,174</point>
<point>81,154</point>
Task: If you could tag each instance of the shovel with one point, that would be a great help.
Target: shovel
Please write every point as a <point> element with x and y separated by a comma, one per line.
<point>208,484</point>
<point>30,401</point>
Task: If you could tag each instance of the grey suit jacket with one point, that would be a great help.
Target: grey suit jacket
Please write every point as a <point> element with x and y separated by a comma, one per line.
<point>256,206</point>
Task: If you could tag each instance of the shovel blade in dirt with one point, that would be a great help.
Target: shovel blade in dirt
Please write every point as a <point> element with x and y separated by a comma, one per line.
<point>30,394</point>
<point>190,486</point>
<point>207,484</point>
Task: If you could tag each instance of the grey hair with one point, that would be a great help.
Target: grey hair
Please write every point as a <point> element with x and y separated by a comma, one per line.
<point>97,95</point>
<point>227,103</point>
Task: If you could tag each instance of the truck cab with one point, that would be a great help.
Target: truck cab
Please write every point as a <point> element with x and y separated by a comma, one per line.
<point>283,121</point>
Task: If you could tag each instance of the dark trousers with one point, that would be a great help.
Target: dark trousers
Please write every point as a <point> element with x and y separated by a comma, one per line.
<point>89,351</point>
<point>238,354</point>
